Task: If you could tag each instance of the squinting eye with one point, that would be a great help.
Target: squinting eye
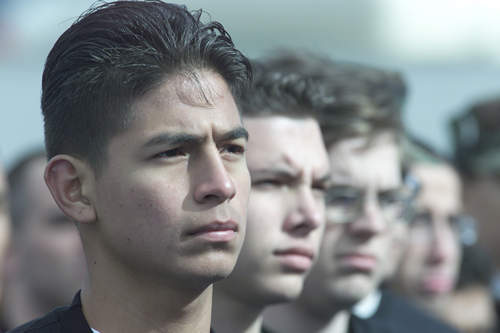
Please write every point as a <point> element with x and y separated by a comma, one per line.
<point>321,187</point>
<point>170,153</point>
<point>234,149</point>
<point>341,200</point>
<point>389,199</point>
<point>267,182</point>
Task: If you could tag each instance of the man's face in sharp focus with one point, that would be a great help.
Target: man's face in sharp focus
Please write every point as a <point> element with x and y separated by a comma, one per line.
<point>352,255</point>
<point>48,249</point>
<point>288,164</point>
<point>429,266</point>
<point>172,198</point>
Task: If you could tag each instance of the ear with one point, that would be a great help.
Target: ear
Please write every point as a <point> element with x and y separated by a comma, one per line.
<point>71,182</point>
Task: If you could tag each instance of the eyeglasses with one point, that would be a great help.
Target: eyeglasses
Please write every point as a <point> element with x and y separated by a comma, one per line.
<point>463,225</point>
<point>345,203</point>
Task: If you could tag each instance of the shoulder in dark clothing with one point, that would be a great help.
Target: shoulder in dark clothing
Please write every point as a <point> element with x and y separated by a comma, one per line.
<point>64,319</point>
<point>396,315</point>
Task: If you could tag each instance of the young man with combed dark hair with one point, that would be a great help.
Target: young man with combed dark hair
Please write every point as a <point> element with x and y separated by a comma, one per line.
<point>147,155</point>
<point>288,164</point>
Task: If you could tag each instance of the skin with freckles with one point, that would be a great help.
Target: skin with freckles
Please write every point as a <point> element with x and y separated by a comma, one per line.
<point>289,168</point>
<point>166,215</point>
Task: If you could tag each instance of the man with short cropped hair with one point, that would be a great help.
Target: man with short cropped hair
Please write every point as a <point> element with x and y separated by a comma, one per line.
<point>147,155</point>
<point>288,164</point>
<point>476,142</point>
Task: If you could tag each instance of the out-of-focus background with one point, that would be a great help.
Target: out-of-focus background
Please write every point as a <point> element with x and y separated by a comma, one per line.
<point>448,50</point>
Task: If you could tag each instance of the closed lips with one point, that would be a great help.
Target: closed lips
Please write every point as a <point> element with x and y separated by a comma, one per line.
<point>214,227</point>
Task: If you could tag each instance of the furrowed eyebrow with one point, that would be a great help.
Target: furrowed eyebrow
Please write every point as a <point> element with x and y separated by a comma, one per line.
<point>173,140</point>
<point>237,133</point>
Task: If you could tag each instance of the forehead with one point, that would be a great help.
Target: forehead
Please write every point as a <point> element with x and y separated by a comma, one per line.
<point>279,140</point>
<point>359,162</point>
<point>192,100</point>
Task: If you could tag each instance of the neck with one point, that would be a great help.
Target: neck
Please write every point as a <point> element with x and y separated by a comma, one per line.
<point>146,309</point>
<point>232,315</point>
<point>119,298</point>
<point>296,318</point>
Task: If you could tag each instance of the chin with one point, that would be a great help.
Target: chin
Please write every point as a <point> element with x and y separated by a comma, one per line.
<point>284,289</point>
<point>219,265</point>
<point>209,267</point>
<point>353,289</point>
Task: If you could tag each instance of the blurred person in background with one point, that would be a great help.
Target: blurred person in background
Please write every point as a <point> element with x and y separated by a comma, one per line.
<point>288,164</point>
<point>429,266</point>
<point>365,204</point>
<point>476,147</point>
<point>46,262</point>
<point>4,234</point>
<point>471,306</point>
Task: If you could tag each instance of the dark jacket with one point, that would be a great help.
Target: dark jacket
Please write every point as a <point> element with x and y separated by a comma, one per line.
<point>64,319</point>
<point>395,315</point>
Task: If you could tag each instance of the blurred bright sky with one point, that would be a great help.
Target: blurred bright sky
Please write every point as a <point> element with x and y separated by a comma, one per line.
<point>448,50</point>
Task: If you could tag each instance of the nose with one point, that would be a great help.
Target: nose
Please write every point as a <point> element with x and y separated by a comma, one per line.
<point>213,182</point>
<point>442,241</point>
<point>371,222</point>
<point>307,213</point>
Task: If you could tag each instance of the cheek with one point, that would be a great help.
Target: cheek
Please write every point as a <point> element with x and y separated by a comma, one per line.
<point>415,257</point>
<point>331,245</point>
<point>454,250</point>
<point>241,177</point>
<point>143,209</point>
<point>149,197</point>
<point>266,215</point>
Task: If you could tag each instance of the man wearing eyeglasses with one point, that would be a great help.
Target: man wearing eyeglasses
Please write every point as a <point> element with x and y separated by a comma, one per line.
<point>365,211</point>
<point>431,258</point>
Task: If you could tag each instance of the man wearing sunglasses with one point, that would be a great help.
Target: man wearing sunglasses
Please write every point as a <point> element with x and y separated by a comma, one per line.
<point>365,212</point>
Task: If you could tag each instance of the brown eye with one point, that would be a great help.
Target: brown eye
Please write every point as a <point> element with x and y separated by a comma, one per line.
<point>234,149</point>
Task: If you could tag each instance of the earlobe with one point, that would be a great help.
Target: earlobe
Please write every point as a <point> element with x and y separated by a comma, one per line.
<point>69,180</point>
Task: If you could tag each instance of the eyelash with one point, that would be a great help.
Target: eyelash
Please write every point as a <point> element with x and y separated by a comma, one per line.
<point>170,153</point>
<point>267,182</point>
<point>320,187</point>
<point>175,152</point>
<point>233,149</point>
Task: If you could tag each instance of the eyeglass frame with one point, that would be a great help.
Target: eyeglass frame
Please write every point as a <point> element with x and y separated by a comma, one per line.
<point>411,187</point>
